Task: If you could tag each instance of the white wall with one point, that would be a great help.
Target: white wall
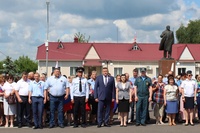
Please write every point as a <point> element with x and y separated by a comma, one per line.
<point>127,67</point>
<point>65,66</point>
<point>188,66</point>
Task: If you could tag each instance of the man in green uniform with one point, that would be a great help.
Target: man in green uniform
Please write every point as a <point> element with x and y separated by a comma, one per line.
<point>143,95</point>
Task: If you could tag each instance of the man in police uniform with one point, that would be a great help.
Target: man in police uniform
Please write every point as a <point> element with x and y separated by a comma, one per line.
<point>58,88</point>
<point>79,92</point>
<point>143,95</point>
<point>37,96</point>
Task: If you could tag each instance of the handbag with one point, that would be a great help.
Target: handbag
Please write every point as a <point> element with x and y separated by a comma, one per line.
<point>11,99</point>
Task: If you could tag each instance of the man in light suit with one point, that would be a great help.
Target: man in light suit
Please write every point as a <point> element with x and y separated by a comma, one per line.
<point>104,94</point>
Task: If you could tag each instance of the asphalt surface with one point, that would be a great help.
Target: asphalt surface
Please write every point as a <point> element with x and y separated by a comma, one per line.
<point>131,128</point>
<point>115,128</point>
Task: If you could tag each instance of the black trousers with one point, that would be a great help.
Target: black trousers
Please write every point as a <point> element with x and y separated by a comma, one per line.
<point>21,107</point>
<point>94,105</point>
<point>79,105</point>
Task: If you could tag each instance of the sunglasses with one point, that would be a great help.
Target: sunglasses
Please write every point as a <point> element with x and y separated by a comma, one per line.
<point>189,75</point>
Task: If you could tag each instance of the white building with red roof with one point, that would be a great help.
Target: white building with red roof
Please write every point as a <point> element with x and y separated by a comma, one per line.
<point>118,57</point>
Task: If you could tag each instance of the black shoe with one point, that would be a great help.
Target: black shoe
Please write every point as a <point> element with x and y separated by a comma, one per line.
<point>147,122</point>
<point>61,126</point>
<point>35,127</point>
<point>143,124</point>
<point>192,124</point>
<point>106,125</point>
<point>20,126</point>
<point>137,124</point>
<point>41,127</point>
<point>51,126</point>
<point>75,126</point>
<point>98,126</point>
<point>83,126</point>
<point>29,125</point>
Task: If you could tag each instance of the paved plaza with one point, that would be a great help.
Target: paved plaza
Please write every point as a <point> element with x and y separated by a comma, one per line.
<point>113,129</point>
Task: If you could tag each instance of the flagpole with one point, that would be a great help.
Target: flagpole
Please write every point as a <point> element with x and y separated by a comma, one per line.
<point>47,41</point>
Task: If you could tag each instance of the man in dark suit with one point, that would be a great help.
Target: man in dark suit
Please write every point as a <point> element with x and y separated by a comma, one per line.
<point>104,94</point>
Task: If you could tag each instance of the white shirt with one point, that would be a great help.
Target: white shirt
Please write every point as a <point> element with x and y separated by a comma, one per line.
<point>23,87</point>
<point>74,89</point>
<point>189,87</point>
<point>8,88</point>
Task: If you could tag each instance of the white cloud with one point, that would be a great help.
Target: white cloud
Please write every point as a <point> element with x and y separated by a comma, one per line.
<point>125,30</point>
<point>152,19</point>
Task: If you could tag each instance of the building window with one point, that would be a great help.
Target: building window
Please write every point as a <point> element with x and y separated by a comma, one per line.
<point>135,47</point>
<point>73,71</point>
<point>117,71</point>
<point>60,45</point>
<point>181,70</point>
<point>54,68</point>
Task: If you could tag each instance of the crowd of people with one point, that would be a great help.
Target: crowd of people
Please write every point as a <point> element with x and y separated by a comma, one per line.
<point>37,101</point>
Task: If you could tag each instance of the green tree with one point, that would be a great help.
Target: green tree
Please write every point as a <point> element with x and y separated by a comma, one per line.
<point>24,63</point>
<point>1,66</point>
<point>189,33</point>
<point>8,66</point>
<point>81,37</point>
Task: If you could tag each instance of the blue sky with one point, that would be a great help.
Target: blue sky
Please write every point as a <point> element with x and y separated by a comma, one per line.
<point>23,23</point>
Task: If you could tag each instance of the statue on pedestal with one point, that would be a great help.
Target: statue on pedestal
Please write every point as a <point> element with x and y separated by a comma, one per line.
<point>166,42</point>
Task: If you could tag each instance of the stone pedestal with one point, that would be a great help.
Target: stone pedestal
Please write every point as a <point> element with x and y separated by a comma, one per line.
<point>166,65</point>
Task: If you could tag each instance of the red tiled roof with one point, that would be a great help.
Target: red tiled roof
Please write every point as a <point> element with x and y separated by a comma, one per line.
<point>71,51</point>
<point>194,49</point>
<point>113,51</point>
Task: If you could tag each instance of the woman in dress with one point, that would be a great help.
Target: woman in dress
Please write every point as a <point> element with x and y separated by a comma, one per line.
<point>9,109</point>
<point>123,98</point>
<point>171,100</point>
<point>68,104</point>
<point>189,90</point>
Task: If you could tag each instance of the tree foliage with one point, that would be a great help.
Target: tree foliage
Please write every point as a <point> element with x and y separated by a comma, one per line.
<point>24,63</point>
<point>15,68</point>
<point>189,33</point>
<point>81,37</point>
<point>8,66</point>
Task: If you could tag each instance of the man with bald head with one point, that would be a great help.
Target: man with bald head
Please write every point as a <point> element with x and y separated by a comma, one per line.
<point>166,42</point>
<point>31,76</point>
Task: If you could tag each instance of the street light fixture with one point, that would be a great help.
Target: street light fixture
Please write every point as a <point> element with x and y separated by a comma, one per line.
<point>47,41</point>
<point>106,62</point>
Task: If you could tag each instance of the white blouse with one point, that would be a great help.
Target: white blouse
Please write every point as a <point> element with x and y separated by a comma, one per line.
<point>8,88</point>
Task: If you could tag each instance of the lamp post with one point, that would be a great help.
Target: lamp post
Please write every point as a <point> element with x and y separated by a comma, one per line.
<point>106,62</point>
<point>47,41</point>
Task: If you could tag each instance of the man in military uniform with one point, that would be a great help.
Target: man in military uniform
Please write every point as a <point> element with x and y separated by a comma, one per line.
<point>143,95</point>
<point>166,42</point>
<point>79,92</point>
